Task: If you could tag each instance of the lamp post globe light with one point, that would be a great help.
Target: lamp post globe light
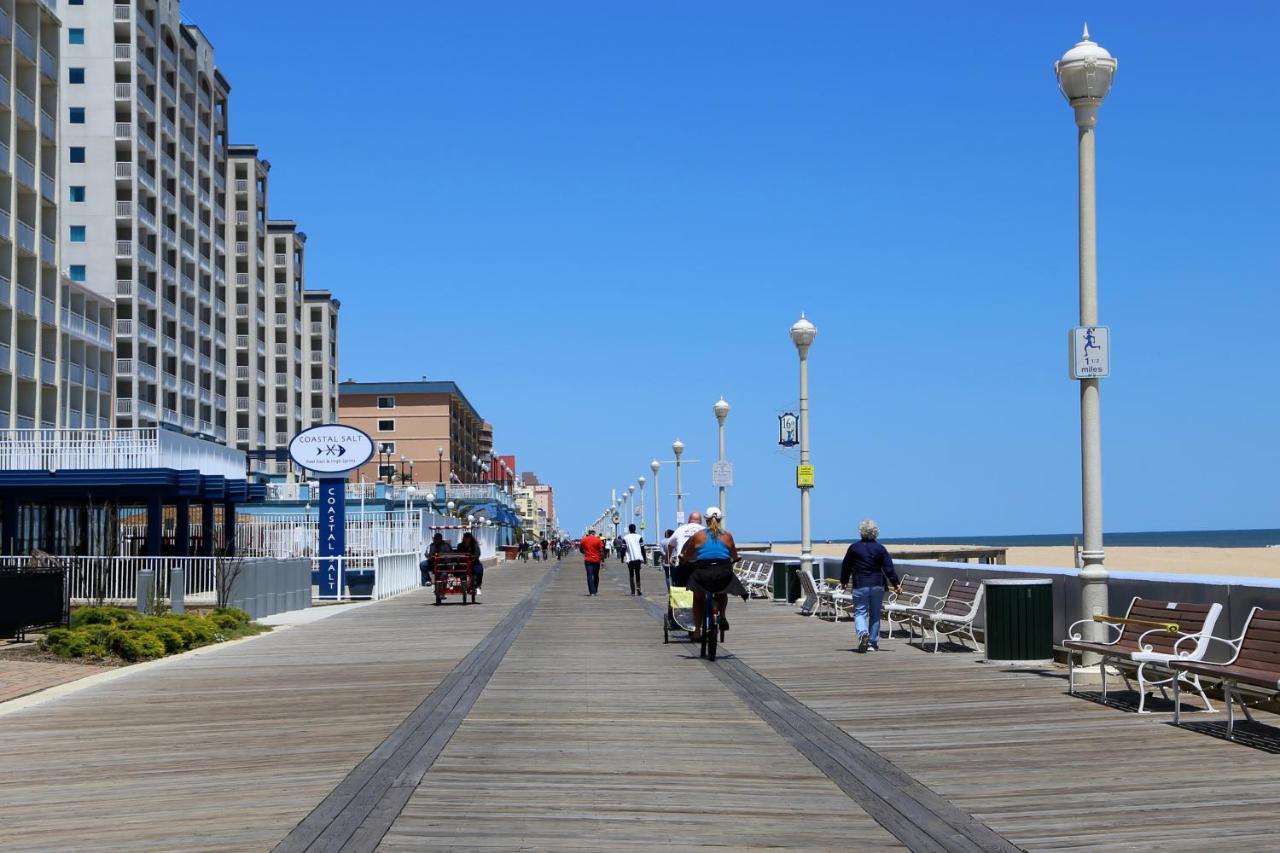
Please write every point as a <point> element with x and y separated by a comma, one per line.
<point>408,498</point>
<point>1085,74</point>
<point>439,464</point>
<point>655,466</point>
<point>450,506</point>
<point>802,334</point>
<point>721,410</point>
<point>677,447</point>
<point>631,502</point>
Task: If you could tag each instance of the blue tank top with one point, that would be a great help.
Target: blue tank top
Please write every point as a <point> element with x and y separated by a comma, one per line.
<point>713,549</point>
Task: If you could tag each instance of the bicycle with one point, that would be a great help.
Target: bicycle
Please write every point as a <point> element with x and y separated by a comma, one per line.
<point>712,631</point>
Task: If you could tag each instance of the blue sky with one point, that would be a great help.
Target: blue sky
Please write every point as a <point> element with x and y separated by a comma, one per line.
<point>599,217</point>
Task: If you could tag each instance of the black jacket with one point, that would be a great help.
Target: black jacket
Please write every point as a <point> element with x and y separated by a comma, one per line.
<point>868,564</point>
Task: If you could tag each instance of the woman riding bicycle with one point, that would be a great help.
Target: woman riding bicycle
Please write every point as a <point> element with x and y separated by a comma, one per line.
<point>713,553</point>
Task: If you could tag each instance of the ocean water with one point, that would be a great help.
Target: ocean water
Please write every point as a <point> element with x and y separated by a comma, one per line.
<point>1142,539</point>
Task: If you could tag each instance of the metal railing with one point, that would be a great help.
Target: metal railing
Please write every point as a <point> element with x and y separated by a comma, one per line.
<point>106,449</point>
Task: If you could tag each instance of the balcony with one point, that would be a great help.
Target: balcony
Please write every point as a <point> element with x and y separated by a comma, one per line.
<point>124,52</point>
<point>317,328</point>
<point>147,143</point>
<point>145,103</point>
<point>49,187</point>
<point>48,126</point>
<point>242,185</point>
<point>242,341</point>
<point>48,65</point>
<point>147,333</point>
<point>167,163</point>
<point>116,449</point>
<point>124,249</point>
<point>48,311</point>
<point>25,107</point>
<point>242,248</point>
<point>25,301</point>
<point>281,260</point>
<point>25,171</point>
<point>26,364</point>
<point>147,179</point>
<point>124,210</point>
<point>124,367</point>
<point>124,131</point>
<point>147,218</point>
<point>146,372</point>
<point>124,170</point>
<point>26,237</point>
<point>123,12</point>
<point>24,42</point>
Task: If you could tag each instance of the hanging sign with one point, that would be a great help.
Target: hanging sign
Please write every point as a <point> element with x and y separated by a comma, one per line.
<point>804,476</point>
<point>788,429</point>
<point>1090,348</point>
<point>331,449</point>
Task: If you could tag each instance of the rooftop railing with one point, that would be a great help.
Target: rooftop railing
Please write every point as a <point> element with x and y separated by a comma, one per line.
<point>115,449</point>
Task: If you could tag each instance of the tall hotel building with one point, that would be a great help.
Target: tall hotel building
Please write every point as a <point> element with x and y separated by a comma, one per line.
<point>55,335</point>
<point>144,124</point>
<point>285,351</point>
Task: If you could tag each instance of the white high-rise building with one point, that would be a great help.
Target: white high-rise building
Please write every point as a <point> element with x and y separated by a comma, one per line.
<point>285,351</point>
<point>55,336</point>
<point>144,131</point>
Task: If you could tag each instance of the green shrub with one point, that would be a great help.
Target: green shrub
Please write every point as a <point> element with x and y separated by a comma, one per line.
<point>102,616</point>
<point>239,616</point>
<point>139,645</point>
<point>224,621</point>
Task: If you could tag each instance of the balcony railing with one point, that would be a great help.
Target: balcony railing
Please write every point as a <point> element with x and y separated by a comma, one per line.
<point>25,171</point>
<point>123,12</point>
<point>25,106</point>
<point>123,52</point>
<point>124,170</point>
<point>116,449</point>
<point>24,42</point>
<point>48,65</point>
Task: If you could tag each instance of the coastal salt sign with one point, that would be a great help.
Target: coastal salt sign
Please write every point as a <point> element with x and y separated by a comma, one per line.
<point>331,449</point>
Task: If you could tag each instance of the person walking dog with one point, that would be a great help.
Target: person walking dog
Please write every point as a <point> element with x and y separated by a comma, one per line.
<point>868,565</point>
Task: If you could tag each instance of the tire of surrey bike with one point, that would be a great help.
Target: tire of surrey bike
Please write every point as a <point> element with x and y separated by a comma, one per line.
<point>711,645</point>
<point>702,651</point>
<point>666,635</point>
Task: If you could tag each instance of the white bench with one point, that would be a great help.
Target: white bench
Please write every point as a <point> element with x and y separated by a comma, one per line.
<point>953,617</point>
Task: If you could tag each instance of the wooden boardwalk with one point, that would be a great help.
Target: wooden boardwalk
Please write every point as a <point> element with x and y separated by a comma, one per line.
<point>551,721</point>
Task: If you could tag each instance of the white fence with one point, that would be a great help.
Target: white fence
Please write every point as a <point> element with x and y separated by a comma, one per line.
<point>103,449</point>
<point>298,534</point>
<point>392,575</point>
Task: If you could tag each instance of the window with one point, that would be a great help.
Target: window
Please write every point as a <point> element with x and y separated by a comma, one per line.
<point>77,233</point>
<point>75,35</point>
<point>386,447</point>
<point>77,272</point>
<point>386,402</point>
<point>77,193</point>
<point>75,75</point>
<point>387,426</point>
<point>386,472</point>
<point>77,153</point>
<point>77,115</point>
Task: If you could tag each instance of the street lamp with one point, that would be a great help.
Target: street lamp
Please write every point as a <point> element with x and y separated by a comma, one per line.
<point>631,502</point>
<point>802,334</point>
<point>1085,74</point>
<point>677,447</point>
<point>408,497</point>
<point>655,466</point>
<point>450,506</point>
<point>439,464</point>
<point>641,480</point>
<point>721,410</point>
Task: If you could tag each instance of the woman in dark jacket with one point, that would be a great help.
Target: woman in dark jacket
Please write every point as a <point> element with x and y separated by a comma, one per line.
<point>868,564</point>
<point>469,545</point>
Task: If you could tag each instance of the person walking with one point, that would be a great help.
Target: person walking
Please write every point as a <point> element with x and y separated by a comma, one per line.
<point>635,557</point>
<point>469,545</point>
<point>868,565</point>
<point>546,549</point>
<point>675,548</point>
<point>592,548</point>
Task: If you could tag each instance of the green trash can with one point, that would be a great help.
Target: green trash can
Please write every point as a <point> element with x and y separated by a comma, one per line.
<point>1018,615</point>
<point>786,584</point>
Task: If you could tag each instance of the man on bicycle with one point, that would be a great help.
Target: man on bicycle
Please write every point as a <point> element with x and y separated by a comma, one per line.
<point>712,552</point>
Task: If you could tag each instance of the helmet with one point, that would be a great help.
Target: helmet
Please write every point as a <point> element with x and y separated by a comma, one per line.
<point>713,512</point>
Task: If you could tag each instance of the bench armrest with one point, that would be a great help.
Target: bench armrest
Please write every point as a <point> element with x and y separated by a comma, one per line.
<point>1073,634</point>
<point>1142,640</point>
<point>1234,644</point>
<point>924,602</point>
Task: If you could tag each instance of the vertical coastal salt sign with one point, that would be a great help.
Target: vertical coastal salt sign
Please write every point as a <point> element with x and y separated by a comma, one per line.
<point>330,451</point>
<point>1090,348</point>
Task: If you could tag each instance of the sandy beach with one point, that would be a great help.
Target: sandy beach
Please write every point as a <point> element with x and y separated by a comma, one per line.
<point>1245,562</point>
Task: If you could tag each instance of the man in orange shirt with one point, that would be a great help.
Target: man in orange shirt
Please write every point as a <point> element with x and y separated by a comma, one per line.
<point>592,548</point>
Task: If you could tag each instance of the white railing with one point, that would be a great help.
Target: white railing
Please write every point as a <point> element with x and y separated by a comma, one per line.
<point>394,574</point>
<point>105,449</point>
<point>298,534</point>
<point>115,579</point>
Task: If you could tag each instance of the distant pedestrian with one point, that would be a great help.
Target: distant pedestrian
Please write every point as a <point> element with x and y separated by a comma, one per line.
<point>620,548</point>
<point>546,549</point>
<point>868,564</point>
<point>592,548</point>
<point>469,545</point>
<point>635,557</point>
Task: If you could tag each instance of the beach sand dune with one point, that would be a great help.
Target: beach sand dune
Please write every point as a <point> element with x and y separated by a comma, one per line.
<point>1244,562</point>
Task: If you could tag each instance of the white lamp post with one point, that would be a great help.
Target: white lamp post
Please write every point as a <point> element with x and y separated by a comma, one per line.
<point>631,502</point>
<point>721,410</point>
<point>641,480</point>
<point>677,447</point>
<point>450,506</point>
<point>1085,74</point>
<point>408,498</point>
<point>802,334</point>
<point>655,466</point>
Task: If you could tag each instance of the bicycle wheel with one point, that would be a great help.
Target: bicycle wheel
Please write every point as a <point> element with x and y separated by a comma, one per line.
<point>711,643</point>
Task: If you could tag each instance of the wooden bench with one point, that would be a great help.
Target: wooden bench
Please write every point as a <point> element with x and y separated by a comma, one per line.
<point>1254,668</point>
<point>915,590</point>
<point>954,615</point>
<point>1147,641</point>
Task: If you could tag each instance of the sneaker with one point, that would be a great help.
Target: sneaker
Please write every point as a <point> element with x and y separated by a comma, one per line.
<point>478,591</point>
<point>874,649</point>
<point>863,641</point>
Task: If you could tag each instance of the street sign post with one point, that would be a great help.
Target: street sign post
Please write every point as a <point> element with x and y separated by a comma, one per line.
<point>330,451</point>
<point>1090,352</point>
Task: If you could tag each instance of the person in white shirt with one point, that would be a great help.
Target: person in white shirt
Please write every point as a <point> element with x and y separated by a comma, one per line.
<point>634,544</point>
<point>675,546</point>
